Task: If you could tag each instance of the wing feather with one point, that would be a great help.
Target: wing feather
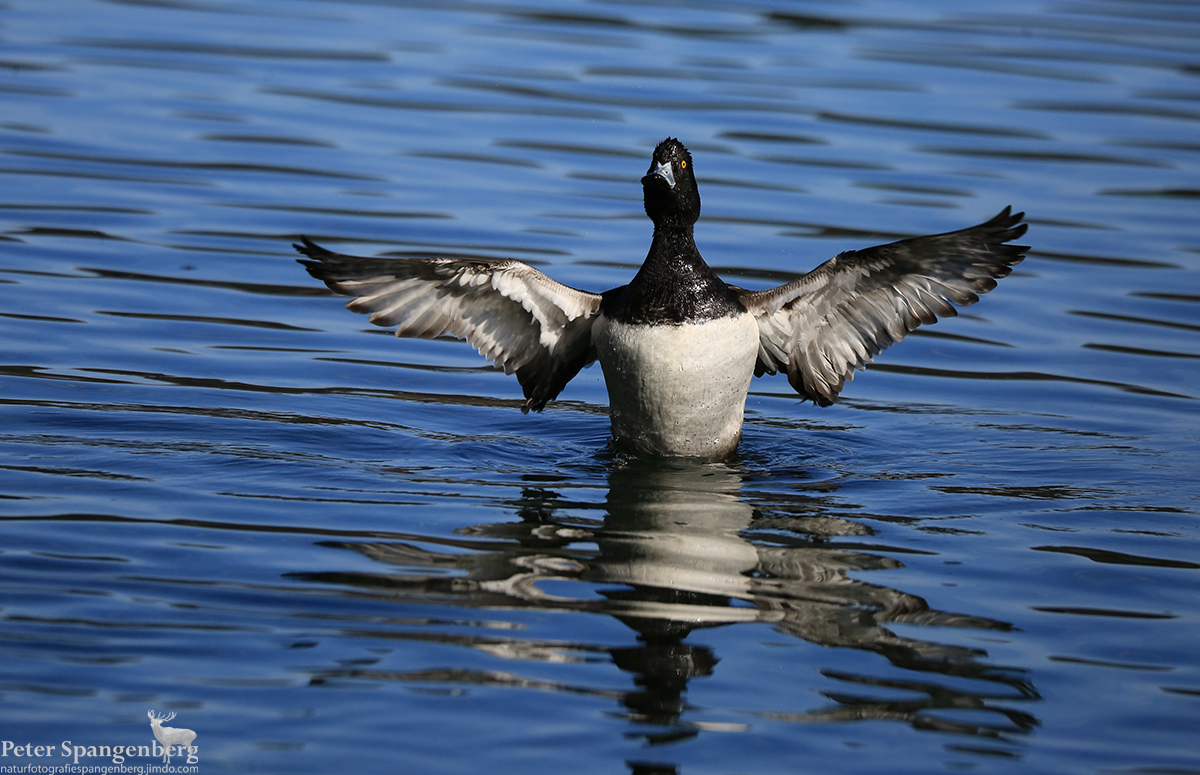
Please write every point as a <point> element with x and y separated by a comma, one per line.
<point>515,316</point>
<point>822,326</point>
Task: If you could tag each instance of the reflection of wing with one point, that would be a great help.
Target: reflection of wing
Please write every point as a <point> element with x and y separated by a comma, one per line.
<point>833,320</point>
<point>514,315</point>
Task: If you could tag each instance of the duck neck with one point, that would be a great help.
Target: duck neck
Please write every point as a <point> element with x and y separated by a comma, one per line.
<point>673,255</point>
<point>674,285</point>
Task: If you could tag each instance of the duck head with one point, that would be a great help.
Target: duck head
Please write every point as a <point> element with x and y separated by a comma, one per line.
<point>669,187</point>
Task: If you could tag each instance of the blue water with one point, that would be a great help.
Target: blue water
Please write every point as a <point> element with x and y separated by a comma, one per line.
<point>328,550</point>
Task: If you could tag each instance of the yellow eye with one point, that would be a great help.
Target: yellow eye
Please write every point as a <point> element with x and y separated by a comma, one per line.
<point>683,164</point>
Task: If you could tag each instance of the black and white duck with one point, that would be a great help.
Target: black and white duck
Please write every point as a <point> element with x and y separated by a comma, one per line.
<point>678,345</point>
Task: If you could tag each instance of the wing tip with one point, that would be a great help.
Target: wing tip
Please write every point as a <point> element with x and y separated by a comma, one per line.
<point>1013,224</point>
<point>312,250</point>
<point>1002,229</point>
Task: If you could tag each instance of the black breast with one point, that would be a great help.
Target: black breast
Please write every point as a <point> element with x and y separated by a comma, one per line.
<point>673,286</point>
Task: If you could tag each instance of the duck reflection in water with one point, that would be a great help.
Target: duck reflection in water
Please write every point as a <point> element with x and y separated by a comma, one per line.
<point>681,548</point>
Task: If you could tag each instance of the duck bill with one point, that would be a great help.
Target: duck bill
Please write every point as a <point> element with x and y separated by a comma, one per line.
<point>662,171</point>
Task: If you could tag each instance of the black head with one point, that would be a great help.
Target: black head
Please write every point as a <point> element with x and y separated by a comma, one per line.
<point>669,186</point>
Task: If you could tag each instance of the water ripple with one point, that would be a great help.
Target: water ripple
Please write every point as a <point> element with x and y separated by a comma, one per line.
<point>220,496</point>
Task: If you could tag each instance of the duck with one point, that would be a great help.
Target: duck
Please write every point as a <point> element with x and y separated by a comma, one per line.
<point>678,346</point>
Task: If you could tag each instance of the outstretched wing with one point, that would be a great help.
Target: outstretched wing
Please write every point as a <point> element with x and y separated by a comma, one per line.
<point>514,315</point>
<point>833,320</point>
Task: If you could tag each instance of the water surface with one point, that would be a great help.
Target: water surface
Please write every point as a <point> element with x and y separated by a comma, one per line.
<point>221,495</point>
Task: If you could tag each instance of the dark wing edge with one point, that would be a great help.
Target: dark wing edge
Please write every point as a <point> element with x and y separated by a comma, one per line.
<point>514,315</point>
<point>823,326</point>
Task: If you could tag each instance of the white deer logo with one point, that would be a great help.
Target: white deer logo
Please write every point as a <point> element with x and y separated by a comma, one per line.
<point>169,736</point>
